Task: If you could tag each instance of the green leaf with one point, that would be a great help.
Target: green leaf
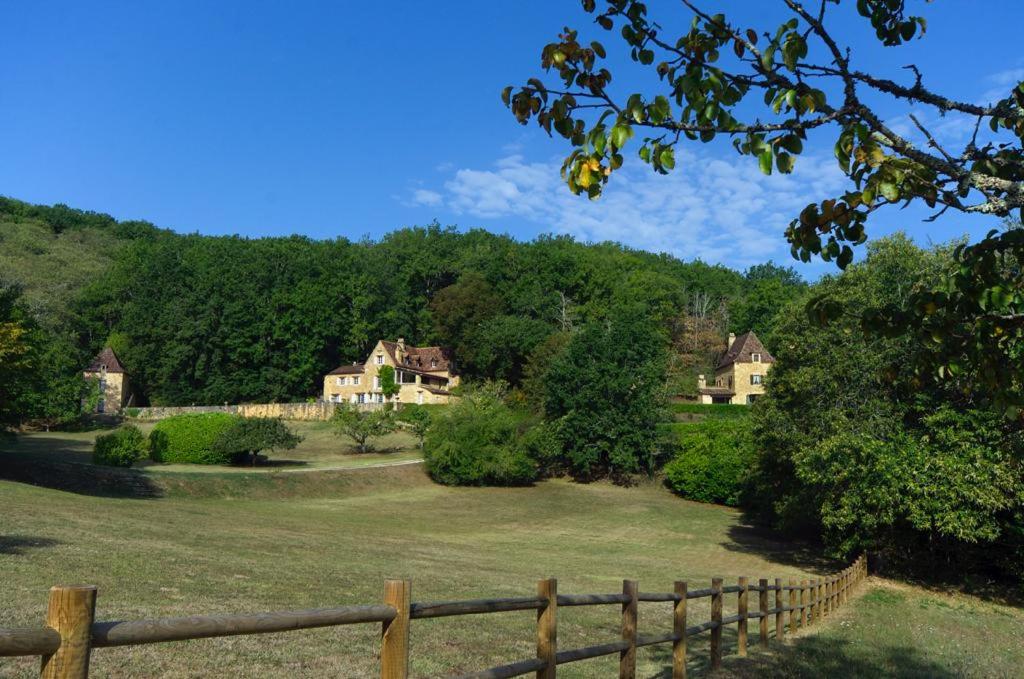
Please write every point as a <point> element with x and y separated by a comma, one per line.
<point>620,135</point>
<point>784,162</point>
<point>667,158</point>
<point>764,160</point>
<point>598,49</point>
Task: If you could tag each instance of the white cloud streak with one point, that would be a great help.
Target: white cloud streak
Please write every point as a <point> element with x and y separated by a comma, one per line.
<point>717,210</point>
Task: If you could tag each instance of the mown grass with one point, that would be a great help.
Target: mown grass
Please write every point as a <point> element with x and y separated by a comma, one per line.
<point>320,448</point>
<point>233,543</point>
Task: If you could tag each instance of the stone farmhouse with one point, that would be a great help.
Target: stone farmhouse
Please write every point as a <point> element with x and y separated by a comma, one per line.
<point>106,370</point>
<point>424,375</point>
<point>739,373</point>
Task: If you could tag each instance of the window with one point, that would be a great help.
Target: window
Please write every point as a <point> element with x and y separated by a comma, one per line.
<point>355,379</point>
<point>335,398</point>
<point>376,381</point>
<point>339,381</point>
<point>380,359</point>
<point>433,363</point>
<point>756,358</point>
<point>756,379</point>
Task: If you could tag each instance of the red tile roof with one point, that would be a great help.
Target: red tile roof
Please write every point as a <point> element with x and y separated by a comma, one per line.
<point>741,350</point>
<point>106,358</point>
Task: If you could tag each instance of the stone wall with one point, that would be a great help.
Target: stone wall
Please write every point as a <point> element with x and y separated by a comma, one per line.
<point>319,410</point>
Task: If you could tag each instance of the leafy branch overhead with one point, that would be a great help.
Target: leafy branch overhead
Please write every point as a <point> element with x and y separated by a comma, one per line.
<point>766,89</point>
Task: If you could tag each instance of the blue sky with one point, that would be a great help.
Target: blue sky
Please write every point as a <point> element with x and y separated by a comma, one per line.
<point>353,119</point>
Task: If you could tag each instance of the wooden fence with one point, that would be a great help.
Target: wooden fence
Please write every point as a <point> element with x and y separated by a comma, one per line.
<point>70,634</point>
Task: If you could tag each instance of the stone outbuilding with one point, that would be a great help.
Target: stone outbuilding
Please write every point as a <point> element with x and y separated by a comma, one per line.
<point>739,372</point>
<point>107,371</point>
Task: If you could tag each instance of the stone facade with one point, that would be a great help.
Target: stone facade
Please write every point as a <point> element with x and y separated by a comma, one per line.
<point>106,371</point>
<point>424,375</point>
<point>739,373</point>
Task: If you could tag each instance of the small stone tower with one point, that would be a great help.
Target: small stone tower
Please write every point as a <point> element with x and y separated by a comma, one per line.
<point>114,390</point>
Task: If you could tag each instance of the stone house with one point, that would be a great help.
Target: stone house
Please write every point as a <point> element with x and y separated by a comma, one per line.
<point>739,372</point>
<point>424,375</point>
<point>115,391</point>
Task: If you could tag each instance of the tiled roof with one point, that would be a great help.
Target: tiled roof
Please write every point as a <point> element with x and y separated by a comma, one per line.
<point>107,358</point>
<point>347,370</point>
<point>741,350</point>
<point>426,359</point>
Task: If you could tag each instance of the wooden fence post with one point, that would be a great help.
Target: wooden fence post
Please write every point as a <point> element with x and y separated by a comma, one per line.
<point>803,603</point>
<point>627,657</point>
<point>831,594</point>
<point>741,624</point>
<point>716,617</point>
<point>394,638</point>
<point>792,606</point>
<point>780,619</point>
<point>547,627</point>
<point>70,612</point>
<point>762,600</point>
<point>821,598</point>
<point>815,603</point>
<point>679,630</point>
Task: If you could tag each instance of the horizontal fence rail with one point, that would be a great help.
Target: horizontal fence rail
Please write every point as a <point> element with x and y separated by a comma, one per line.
<point>66,642</point>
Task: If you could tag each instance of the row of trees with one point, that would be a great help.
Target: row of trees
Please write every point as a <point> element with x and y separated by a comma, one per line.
<point>200,319</point>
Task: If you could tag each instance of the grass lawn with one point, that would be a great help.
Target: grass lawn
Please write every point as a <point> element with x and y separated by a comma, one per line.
<point>332,538</point>
<point>320,449</point>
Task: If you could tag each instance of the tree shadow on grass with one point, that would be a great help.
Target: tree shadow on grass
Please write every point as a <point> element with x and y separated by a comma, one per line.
<point>19,544</point>
<point>79,478</point>
<point>811,656</point>
<point>805,555</point>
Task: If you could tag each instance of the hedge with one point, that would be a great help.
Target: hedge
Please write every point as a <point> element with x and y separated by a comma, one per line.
<point>120,448</point>
<point>712,460</point>
<point>190,438</point>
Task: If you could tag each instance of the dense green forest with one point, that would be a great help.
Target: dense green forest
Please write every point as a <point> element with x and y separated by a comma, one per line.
<point>204,319</point>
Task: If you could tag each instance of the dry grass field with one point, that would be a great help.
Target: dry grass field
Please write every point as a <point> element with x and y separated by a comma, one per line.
<point>219,543</point>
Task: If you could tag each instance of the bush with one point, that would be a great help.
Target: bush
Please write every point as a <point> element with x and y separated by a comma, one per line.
<point>416,418</point>
<point>120,448</point>
<point>362,425</point>
<point>480,441</point>
<point>247,437</point>
<point>712,460</point>
<point>712,411</point>
<point>190,438</point>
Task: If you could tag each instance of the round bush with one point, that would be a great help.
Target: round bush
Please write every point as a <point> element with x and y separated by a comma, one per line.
<point>190,438</point>
<point>478,441</point>
<point>120,448</point>
<point>712,460</point>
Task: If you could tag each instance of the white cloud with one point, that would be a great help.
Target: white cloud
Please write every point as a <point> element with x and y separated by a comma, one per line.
<point>426,197</point>
<point>718,210</point>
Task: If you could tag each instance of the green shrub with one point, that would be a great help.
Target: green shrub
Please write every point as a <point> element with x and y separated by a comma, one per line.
<point>120,448</point>
<point>480,441</point>
<point>711,461</point>
<point>247,437</point>
<point>712,411</point>
<point>362,425</point>
<point>190,438</point>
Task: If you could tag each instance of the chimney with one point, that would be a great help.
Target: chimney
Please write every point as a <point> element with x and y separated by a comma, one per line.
<point>701,382</point>
<point>401,343</point>
<point>732,338</point>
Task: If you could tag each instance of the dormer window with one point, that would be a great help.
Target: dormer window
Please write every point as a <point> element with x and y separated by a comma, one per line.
<point>380,359</point>
<point>433,363</point>
<point>756,358</point>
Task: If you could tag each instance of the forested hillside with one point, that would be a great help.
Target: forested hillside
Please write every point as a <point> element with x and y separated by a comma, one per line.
<point>202,319</point>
